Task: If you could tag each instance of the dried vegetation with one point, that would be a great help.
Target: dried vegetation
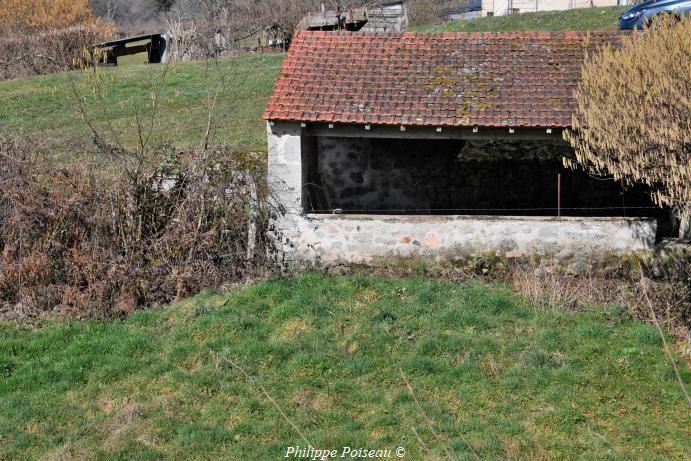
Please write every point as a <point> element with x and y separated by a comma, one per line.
<point>46,36</point>
<point>95,240</point>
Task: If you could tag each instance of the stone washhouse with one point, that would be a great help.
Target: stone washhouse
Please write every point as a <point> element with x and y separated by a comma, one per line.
<point>440,147</point>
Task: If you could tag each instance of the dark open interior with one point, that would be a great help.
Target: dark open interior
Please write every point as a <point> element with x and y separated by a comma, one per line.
<point>459,177</point>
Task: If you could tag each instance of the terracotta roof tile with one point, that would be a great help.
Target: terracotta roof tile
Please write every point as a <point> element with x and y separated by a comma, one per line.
<point>447,79</point>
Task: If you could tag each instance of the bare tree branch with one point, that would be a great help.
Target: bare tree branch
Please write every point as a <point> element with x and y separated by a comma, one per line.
<point>261,387</point>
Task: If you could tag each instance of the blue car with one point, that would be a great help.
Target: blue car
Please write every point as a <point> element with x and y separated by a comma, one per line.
<point>642,14</point>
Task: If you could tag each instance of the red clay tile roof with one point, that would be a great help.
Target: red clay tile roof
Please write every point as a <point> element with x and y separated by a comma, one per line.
<point>448,79</point>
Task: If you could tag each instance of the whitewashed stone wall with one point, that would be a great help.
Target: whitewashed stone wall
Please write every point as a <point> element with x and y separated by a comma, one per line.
<point>370,239</point>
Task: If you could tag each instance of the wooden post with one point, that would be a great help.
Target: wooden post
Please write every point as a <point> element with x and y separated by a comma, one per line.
<point>252,221</point>
<point>685,224</point>
<point>559,195</point>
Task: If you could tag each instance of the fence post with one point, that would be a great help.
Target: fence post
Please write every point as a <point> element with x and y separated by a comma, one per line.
<point>685,224</point>
<point>252,222</point>
<point>559,195</point>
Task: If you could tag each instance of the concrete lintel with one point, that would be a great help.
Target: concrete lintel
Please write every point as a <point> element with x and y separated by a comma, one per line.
<point>408,218</point>
<point>431,132</point>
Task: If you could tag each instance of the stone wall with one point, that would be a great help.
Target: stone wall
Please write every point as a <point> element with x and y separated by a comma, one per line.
<point>391,17</point>
<point>327,240</point>
<point>460,177</point>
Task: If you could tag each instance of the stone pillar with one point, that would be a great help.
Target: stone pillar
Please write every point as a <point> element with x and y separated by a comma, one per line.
<point>166,44</point>
<point>685,224</point>
<point>285,164</point>
<point>285,180</point>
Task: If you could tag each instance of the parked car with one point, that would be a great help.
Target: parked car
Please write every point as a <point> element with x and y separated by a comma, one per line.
<point>467,10</point>
<point>642,14</point>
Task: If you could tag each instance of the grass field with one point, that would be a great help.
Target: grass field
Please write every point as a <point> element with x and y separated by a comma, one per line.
<point>47,106</point>
<point>606,18</point>
<point>493,374</point>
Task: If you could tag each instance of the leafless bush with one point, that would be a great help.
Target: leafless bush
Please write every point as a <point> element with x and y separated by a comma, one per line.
<point>21,17</point>
<point>669,290</point>
<point>429,11</point>
<point>240,20</point>
<point>548,285</point>
<point>45,53</point>
<point>140,224</point>
<point>129,13</point>
<point>93,241</point>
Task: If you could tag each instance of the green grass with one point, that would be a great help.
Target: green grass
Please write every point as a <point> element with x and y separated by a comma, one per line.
<point>139,58</point>
<point>511,381</point>
<point>46,105</point>
<point>606,18</point>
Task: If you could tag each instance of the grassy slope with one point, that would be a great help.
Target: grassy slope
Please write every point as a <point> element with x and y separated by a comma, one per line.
<point>606,18</point>
<point>46,105</point>
<point>514,382</point>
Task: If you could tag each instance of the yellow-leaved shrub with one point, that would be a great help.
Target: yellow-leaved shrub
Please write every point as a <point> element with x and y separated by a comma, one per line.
<point>634,113</point>
<point>30,16</point>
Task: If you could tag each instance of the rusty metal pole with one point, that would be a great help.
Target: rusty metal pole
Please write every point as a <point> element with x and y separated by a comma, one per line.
<point>559,195</point>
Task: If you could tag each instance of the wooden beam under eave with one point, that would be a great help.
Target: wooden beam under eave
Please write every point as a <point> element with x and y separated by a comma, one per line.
<point>432,132</point>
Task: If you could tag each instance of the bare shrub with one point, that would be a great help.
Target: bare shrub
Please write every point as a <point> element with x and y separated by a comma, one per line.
<point>669,291</point>
<point>239,20</point>
<point>424,12</point>
<point>130,14</point>
<point>46,52</point>
<point>98,241</point>
<point>138,225</point>
<point>21,17</point>
<point>548,285</point>
<point>46,36</point>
